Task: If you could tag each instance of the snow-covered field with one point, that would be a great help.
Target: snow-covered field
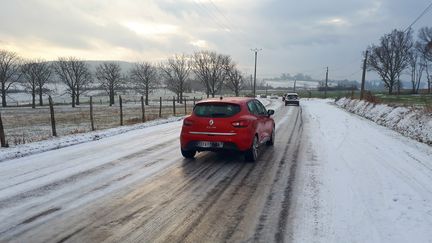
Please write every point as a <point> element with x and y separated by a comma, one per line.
<point>69,140</point>
<point>360,182</point>
<point>411,122</point>
<point>24,124</point>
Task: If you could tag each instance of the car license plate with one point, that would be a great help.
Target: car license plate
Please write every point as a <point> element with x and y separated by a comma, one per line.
<point>206,144</point>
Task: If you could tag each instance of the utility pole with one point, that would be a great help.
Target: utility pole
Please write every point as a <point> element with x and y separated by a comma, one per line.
<point>256,50</point>
<point>251,83</point>
<point>363,76</point>
<point>325,91</point>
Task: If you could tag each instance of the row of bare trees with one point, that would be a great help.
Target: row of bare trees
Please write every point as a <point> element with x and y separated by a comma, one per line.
<point>214,72</point>
<point>398,52</point>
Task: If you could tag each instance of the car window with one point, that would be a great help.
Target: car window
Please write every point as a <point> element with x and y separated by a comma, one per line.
<point>216,110</point>
<point>252,108</point>
<point>261,109</point>
<point>292,97</point>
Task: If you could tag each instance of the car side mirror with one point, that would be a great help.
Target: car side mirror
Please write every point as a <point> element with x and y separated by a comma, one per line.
<point>270,112</point>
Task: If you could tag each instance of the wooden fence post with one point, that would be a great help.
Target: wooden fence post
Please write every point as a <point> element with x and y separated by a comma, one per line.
<point>160,107</point>
<point>174,100</point>
<point>185,106</point>
<point>4,144</point>
<point>53,123</point>
<point>143,109</point>
<point>91,114</point>
<point>121,110</point>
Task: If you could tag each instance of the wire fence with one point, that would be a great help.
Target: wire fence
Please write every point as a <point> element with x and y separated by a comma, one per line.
<point>24,124</point>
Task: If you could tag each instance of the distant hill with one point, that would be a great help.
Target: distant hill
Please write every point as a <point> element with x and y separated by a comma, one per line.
<point>125,66</point>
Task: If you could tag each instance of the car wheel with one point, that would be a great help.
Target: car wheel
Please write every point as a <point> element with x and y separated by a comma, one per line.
<point>272,138</point>
<point>188,154</point>
<point>252,153</point>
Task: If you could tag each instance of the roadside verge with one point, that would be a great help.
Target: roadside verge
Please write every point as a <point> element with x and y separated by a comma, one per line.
<point>69,140</point>
<point>411,122</point>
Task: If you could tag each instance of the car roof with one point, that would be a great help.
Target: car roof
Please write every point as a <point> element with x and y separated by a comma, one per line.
<point>292,94</point>
<point>234,100</point>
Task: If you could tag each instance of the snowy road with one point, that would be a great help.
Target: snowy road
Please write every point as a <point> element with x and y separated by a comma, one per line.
<point>330,177</point>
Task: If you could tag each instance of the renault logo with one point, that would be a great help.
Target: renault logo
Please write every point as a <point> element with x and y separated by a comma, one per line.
<point>211,122</point>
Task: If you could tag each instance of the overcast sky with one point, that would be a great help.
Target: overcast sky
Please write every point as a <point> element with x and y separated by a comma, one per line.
<point>295,36</point>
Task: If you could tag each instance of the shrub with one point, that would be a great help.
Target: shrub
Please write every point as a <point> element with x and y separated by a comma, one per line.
<point>369,97</point>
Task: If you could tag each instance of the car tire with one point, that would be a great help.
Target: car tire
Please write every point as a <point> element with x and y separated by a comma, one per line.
<point>272,138</point>
<point>251,154</point>
<point>188,154</point>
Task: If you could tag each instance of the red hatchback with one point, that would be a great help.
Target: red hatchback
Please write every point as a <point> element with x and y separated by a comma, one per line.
<point>241,124</point>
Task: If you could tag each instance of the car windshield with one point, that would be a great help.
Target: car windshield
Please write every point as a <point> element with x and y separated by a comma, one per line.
<point>291,97</point>
<point>216,109</point>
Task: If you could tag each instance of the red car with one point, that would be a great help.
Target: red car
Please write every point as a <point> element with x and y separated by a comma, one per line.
<point>240,124</point>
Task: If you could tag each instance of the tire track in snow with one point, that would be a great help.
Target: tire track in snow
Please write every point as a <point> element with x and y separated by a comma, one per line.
<point>279,177</point>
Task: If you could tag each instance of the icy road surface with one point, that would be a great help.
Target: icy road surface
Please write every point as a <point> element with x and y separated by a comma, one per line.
<point>331,177</point>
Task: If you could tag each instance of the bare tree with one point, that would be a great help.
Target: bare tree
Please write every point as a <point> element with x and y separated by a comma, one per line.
<point>417,67</point>
<point>391,57</point>
<point>234,78</point>
<point>36,74</point>
<point>145,77</point>
<point>175,72</point>
<point>428,76</point>
<point>28,70</point>
<point>44,72</point>
<point>424,47</point>
<point>10,72</point>
<point>75,74</point>
<point>83,77</point>
<point>210,69</point>
<point>110,78</point>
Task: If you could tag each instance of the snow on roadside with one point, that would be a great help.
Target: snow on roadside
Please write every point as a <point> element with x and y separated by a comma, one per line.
<point>410,122</point>
<point>61,142</point>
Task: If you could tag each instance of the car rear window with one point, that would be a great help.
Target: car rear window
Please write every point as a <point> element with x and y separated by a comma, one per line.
<point>291,97</point>
<point>216,110</point>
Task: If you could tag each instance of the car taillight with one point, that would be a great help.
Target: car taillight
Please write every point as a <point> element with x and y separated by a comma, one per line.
<point>187,122</point>
<point>242,123</point>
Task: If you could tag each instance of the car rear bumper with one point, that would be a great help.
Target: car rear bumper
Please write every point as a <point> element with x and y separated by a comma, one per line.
<point>193,145</point>
<point>292,102</point>
<point>239,141</point>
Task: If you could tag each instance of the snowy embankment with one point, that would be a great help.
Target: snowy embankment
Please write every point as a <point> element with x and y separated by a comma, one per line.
<point>413,123</point>
<point>61,142</point>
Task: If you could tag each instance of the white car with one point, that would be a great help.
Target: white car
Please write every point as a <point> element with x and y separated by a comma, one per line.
<point>291,98</point>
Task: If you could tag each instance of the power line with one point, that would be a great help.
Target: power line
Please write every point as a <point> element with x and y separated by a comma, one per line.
<point>222,20</point>
<point>215,17</point>
<point>419,17</point>
<point>348,75</point>
<point>226,18</point>
<point>211,15</point>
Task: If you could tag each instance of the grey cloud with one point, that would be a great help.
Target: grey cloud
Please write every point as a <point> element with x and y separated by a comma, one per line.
<point>290,32</point>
